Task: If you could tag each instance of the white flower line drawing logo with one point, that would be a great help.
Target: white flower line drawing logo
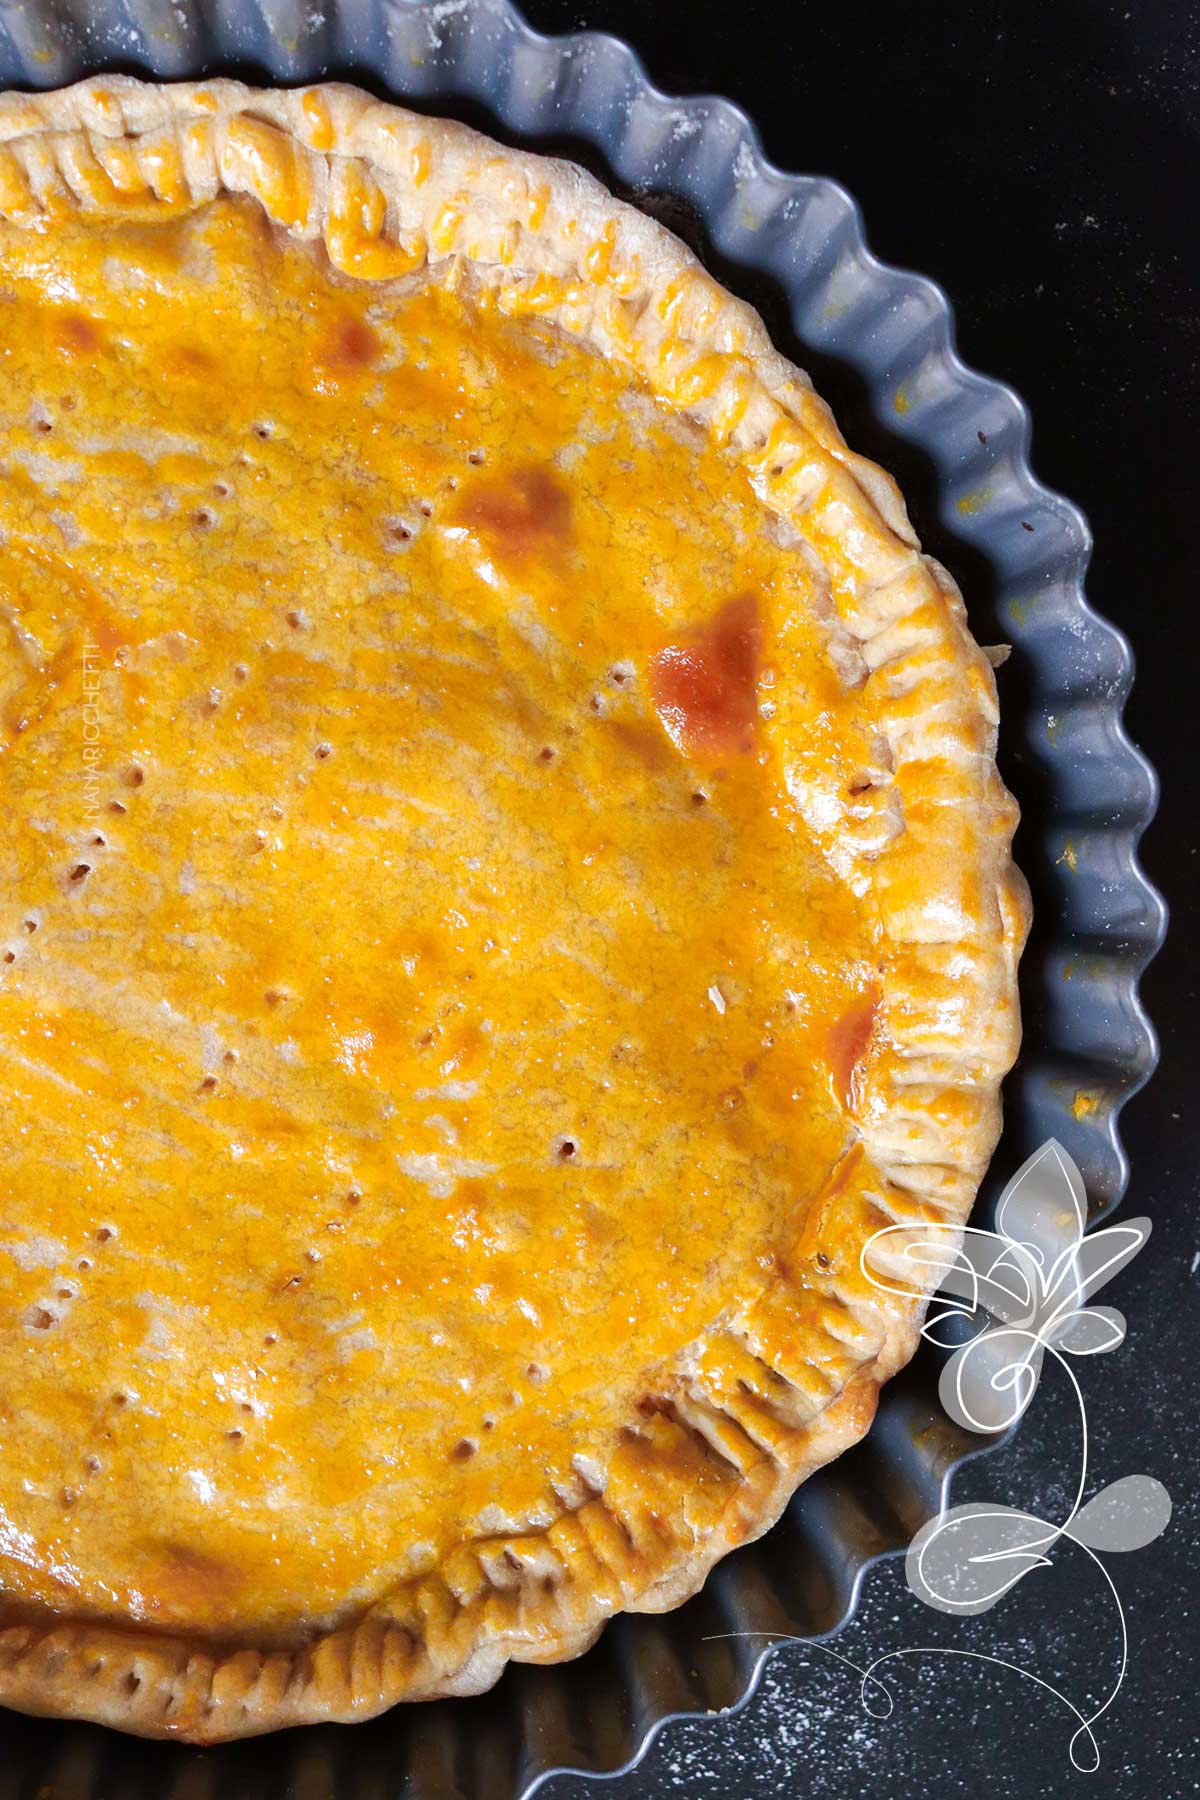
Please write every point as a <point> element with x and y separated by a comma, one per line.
<point>1031,1280</point>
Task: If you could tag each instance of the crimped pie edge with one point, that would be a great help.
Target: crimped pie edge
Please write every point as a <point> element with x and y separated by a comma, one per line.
<point>388,191</point>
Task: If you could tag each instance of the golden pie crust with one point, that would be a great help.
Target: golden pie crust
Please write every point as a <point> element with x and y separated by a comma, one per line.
<point>508,889</point>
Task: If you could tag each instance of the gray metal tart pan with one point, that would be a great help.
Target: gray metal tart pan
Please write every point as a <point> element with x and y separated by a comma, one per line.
<point>880,345</point>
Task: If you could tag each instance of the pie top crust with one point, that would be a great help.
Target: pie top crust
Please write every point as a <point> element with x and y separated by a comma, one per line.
<point>539,900</point>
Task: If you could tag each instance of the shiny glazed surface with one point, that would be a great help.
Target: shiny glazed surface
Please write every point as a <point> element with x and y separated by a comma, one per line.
<point>427,999</point>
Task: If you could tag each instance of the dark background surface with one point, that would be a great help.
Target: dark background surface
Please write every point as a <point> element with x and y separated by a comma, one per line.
<point>1041,161</point>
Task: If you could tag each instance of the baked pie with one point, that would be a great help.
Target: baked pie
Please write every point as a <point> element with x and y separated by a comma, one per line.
<point>506,888</point>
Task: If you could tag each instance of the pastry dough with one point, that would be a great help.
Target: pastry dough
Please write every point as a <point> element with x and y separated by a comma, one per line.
<point>507,887</point>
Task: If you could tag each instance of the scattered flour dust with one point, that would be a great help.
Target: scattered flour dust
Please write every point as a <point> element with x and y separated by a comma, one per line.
<point>440,14</point>
<point>745,164</point>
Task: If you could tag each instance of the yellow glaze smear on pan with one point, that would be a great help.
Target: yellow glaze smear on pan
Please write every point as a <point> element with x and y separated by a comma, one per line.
<point>421,1003</point>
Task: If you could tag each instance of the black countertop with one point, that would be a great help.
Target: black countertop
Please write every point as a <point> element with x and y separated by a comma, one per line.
<point>1041,161</point>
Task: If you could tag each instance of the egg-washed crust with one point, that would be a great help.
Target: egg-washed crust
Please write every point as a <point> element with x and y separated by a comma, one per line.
<point>785,1383</point>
